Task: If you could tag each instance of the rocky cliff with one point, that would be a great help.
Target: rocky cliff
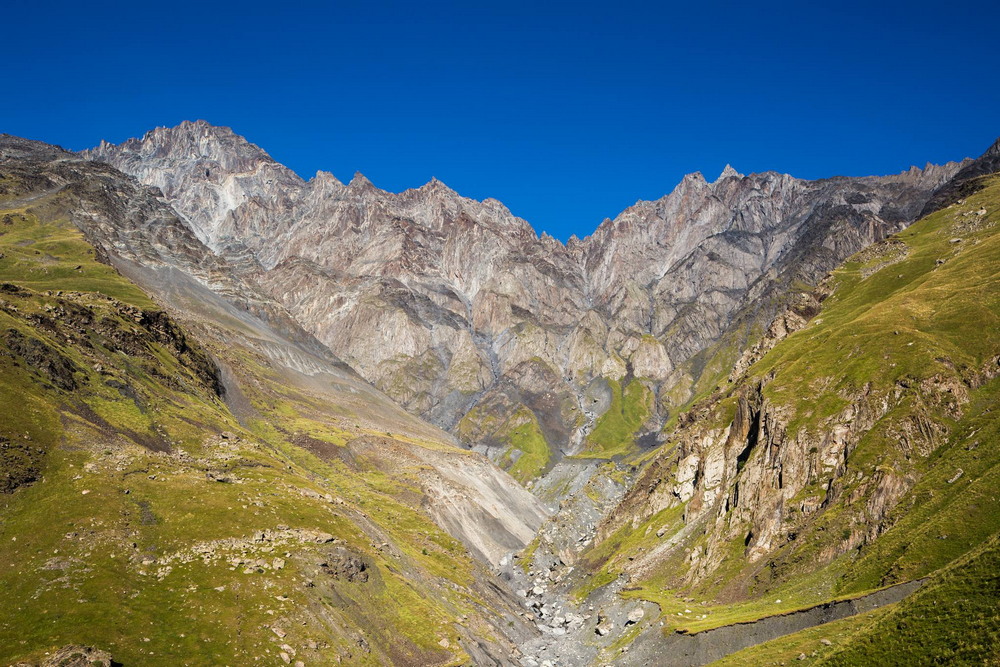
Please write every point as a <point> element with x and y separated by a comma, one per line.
<point>461,313</point>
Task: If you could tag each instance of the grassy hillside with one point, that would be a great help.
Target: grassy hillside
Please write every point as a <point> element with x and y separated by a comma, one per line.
<point>954,620</point>
<point>909,340</point>
<point>526,453</point>
<point>615,431</point>
<point>138,515</point>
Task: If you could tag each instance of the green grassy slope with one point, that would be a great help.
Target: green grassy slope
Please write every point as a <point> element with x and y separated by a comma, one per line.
<point>138,516</point>
<point>919,317</point>
<point>954,620</point>
<point>615,430</point>
<point>526,453</point>
<point>912,324</point>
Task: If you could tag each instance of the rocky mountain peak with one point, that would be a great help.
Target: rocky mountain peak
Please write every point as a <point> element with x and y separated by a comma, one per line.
<point>994,149</point>
<point>326,177</point>
<point>728,172</point>
<point>208,173</point>
<point>360,182</point>
<point>198,140</point>
<point>435,190</point>
<point>435,185</point>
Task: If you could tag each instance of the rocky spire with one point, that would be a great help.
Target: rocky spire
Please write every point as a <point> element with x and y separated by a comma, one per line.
<point>728,172</point>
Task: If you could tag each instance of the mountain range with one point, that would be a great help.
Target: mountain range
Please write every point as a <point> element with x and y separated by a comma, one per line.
<point>465,442</point>
<point>464,316</point>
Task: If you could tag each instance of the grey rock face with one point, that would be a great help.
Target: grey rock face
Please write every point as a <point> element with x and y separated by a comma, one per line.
<point>448,304</point>
<point>208,172</point>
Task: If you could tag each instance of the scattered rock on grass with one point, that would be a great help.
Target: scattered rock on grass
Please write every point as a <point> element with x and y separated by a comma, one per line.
<point>78,656</point>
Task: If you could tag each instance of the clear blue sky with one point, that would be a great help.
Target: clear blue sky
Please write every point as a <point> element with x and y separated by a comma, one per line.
<point>567,113</point>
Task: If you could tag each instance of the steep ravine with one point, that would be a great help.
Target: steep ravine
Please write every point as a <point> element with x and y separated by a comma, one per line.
<point>763,501</point>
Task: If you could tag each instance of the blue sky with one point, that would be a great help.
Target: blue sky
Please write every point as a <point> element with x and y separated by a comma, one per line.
<point>567,113</point>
